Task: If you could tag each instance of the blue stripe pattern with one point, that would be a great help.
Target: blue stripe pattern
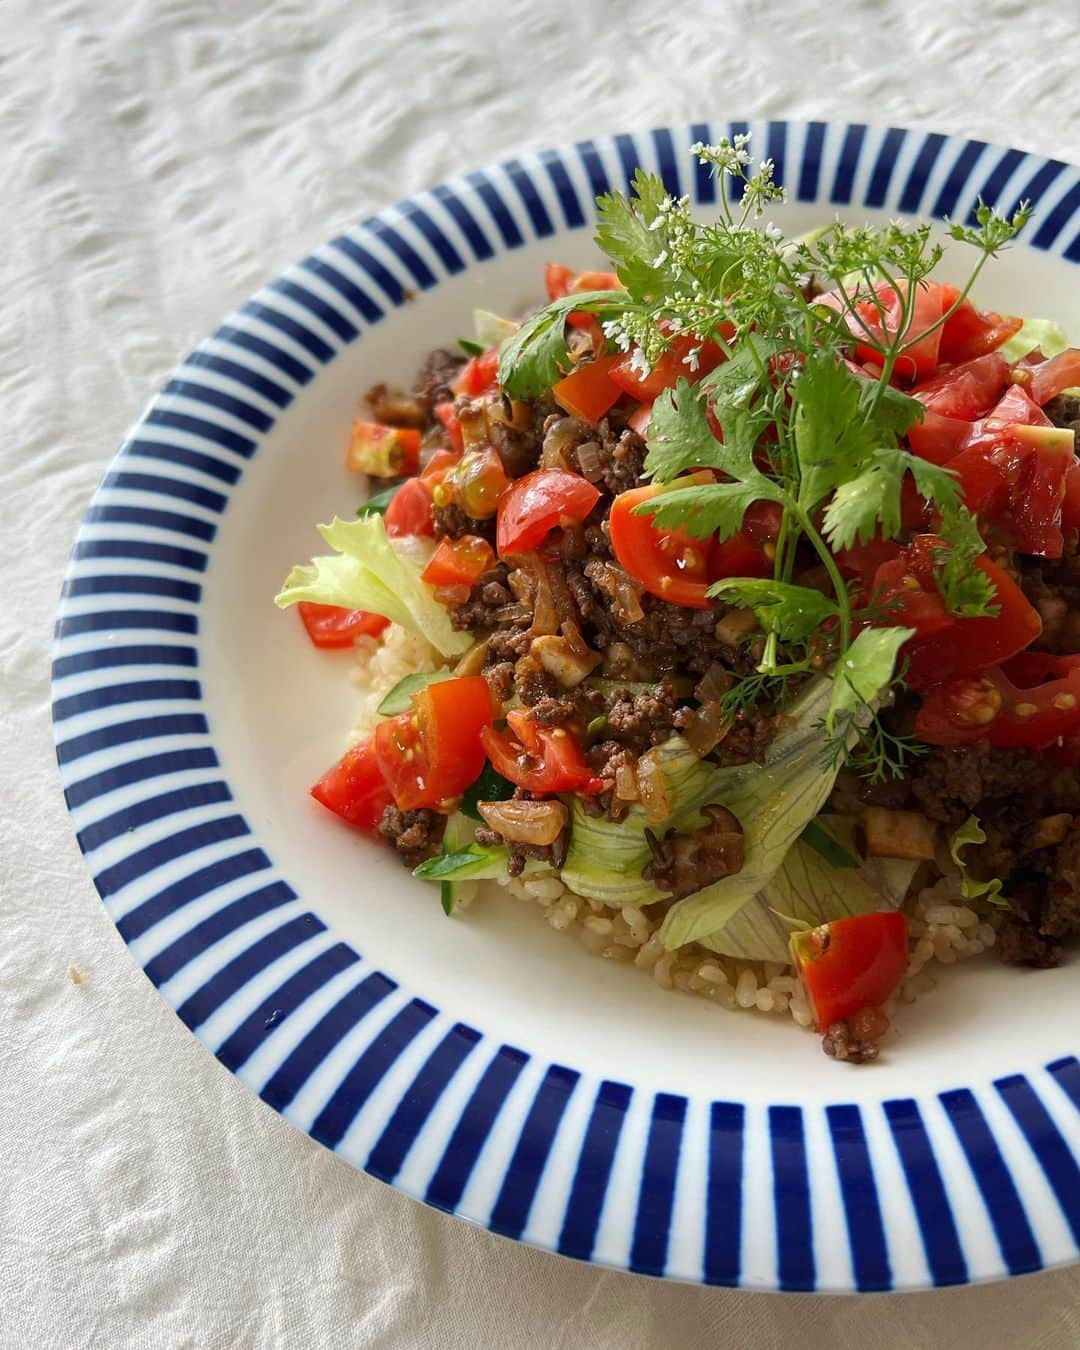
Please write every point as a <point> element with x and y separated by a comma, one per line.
<point>323,1036</point>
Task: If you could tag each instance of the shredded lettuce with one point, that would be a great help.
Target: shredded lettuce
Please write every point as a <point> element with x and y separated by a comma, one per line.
<point>971,832</point>
<point>807,890</point>
<point>605,858</point>
<point>367,572</point>
<point>1041,333</point>
<point>772,803</point>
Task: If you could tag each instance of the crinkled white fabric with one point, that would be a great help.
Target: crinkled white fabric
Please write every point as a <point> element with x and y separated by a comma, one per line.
<point>158,159</point>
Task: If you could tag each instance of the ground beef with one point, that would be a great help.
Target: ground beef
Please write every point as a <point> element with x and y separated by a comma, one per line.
<point>486,606</point>
<point>435,378</point>
<point>638,721</point>
<point>949,784</point>
<point>840,1042</point>
<point>554,854</point>
<point>1064,411</point>
<point>610,455</point>
<point>451,522</point>
<point>1053,587</point>
<point>416,835</point>
<point>517,433</point>
<point>747,740</point>
<point>1044,911</point>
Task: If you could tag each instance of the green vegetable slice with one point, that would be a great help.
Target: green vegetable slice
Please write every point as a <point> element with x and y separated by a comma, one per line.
<point>367,572</point>
<point>971,832</point>
<point>399,698</point>
<point>377,503</point>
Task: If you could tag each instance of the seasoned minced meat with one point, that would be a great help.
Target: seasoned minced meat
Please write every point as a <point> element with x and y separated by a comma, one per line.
<point>609,455</point>
<point>949,784</point>
<point>1053,587</point>
<point>415,834</point>
<point>638,721</point>
<point>435,378</point>
<point>451,522</point>
<point>1064,411</point>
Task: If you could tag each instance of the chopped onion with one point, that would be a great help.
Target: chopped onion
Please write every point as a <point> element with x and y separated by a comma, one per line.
<point>452,595</point>
<point>588,458</point>
<point>545,619</point>
<point>577,644</point>
<point>472,663</point>
<point>707,728</point>
<point>559,436</point>
<point>509,412</point>
<point>653,789</point>
<point>625,600</point>
<point>715,683</point>
<point>626,784</point>
<point>735,625</point>
<point>474,426</point>
<point>557,658</point>
<point>526,822</point>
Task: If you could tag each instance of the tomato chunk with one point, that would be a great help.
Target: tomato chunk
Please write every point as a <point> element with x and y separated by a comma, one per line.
<point>1012,706</point>
<point>750,551</point>
<point>1050,378</point>
<point>382,451</point>
<point>673,365</point>
<point>410,510</point>
<point>669,563</point>
<point>543,760</point>
<point>355,789</point>
<point>968,332</point>
<point>430,754</point>
<point>850,964</point>
<point>540,502</point>
<point>871,335</point>
<point>589,391</point>
<point>451,424</point>
<point>459,562</point>
<point>479,375</point>
<point>330,626</point>
<point>944,645</point>
<point>965,391</point>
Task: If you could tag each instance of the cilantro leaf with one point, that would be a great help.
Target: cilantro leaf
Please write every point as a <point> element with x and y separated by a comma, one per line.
<point>792,612</point>
<point>627,232</point>
<point>862,673</point>
<point>679,436</point>
<point>716,508</point>
<point>966,590</point>
<point>377,503</point>
<point>841,420</point>
<point>535,357</point>
<point>870,501</point>
<point>471,348</point>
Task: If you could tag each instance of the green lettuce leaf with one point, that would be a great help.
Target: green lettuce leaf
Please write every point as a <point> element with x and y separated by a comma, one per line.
<point>971,832</point>
<point>1041,333</point>
<point>605,858</point>
<point>367,572</point>
<point>773,803</point>
<point>807,890</point>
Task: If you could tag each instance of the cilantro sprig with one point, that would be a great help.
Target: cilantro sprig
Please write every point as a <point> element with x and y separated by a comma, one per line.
<point>799,423</point>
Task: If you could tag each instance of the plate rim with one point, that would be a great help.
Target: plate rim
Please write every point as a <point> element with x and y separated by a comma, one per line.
<point>278,342</point>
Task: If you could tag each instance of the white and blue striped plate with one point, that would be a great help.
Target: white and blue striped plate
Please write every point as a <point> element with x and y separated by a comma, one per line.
<point>487,1065</point>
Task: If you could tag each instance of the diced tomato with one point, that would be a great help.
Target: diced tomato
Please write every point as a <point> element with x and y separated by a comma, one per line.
<point>409,511</point>
<point>851,964</point>
<point>999,708</point>
<point>541,759</point>
<point>331,626</point>
<point>910,601</point>
<point>670,367</point>
<point>560,281</point>
<point>1050,378</point>
<point>459,562</point>
<point>476,483</point>
<point>1016,407</point>
<point>750,551</point>
<point>382,451</point>
<point>863,560</point>
<point>1070,503</point>
<point>668,562</point>
<point>355,789</point>
<point>871,335</point>
<point>966,391</point>
<point>540,502</point>
<point>430,754</point>
<point>479,375</point>
<point>945,645</point>
<point>588,391</point>
<point>452,426</point>
<point>439,465</point>
<point>968,332</point>
<point>939,439</point>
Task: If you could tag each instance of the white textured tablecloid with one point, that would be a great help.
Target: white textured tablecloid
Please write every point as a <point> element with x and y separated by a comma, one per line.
<point>159,159</point>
